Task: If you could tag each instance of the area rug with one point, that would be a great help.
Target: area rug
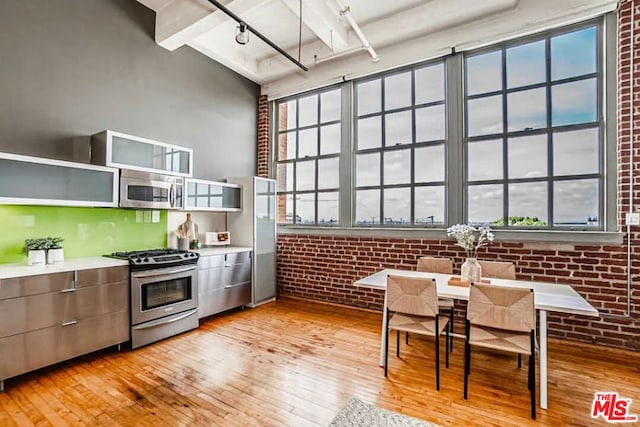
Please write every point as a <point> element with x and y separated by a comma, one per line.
<point>360,414</point>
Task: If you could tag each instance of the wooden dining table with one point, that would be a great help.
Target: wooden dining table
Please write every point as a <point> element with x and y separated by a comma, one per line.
<point>549,297</point>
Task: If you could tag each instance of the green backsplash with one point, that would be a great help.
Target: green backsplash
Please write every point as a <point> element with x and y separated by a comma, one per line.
<point>86,231</point>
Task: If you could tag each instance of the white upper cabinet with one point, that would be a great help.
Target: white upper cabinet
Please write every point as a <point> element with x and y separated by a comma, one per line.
<point>212,196</point>
<point>26,180</point>
<point>124,151</point>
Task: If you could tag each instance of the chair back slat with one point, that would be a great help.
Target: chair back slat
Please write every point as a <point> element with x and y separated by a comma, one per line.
<point>435,265</point>
<point>498,269</point>
<point>412,295</point>
<point>501,307</point>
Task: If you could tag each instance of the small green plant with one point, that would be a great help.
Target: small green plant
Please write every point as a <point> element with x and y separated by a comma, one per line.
<point>32,245</point>
<point>43,243</point>
<point>53,242</point>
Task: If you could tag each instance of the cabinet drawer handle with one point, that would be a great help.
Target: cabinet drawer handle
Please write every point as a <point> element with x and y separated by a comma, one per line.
<point>72,322</point>
<point>227,265</point>
<point>228,286</point>
<point>64,291</point>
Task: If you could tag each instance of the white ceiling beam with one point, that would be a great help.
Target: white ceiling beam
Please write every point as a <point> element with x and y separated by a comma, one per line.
<point>322,21</point>
<point>231,57</point>
<point>527,18</point>
<point>182,21</point>
<point>408,24</point>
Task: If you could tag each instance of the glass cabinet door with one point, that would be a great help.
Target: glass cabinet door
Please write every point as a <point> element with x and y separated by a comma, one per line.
<point>38,181</point>
<point>213,196</point>
<point>132,152</point>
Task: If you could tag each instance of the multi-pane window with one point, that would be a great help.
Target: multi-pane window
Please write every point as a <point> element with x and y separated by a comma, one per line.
<point>511,135</point>
<point>400,129</point>
<point>534,132</point>
<point>308,158</point>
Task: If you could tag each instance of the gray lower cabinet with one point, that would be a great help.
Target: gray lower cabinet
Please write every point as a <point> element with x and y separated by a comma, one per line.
<point>224,282</point>
<point>49,318</point>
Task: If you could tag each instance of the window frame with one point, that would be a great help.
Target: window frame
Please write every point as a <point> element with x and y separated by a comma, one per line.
<point>547,130</point>
<point>410,146</point>
<point>318,125</point>
<point>455,150</point>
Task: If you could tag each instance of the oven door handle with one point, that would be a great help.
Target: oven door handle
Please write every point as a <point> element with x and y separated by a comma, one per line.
<point>165,321</point>
<point>164,272</point>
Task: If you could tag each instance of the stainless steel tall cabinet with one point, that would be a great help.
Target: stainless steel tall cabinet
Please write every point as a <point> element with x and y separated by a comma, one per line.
<point>255,227</point>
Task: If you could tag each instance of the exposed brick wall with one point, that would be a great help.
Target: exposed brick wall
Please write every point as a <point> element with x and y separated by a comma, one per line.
<point>324,267</point>
<point>263,136</point>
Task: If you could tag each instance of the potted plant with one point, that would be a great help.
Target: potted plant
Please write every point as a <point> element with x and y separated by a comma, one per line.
<point>35,250</point>
<point>471,239</point>
<point>55,253</point>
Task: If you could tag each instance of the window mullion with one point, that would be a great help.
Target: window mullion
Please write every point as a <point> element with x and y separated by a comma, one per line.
<point>412,158</point>
<point>346,194</point>
<point>505,153</point>
<point>455,167</point>
<point>550,161</point>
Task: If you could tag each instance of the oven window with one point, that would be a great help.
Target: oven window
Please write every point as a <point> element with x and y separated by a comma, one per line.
<point>147,193</point>
<point>165,293</point>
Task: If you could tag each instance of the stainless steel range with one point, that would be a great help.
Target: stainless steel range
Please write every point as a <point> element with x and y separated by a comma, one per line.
<point>164,293</point>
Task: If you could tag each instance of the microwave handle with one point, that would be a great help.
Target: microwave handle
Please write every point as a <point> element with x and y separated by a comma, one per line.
<point>172,196</point>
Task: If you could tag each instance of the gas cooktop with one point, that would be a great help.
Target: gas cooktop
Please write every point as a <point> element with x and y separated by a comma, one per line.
<point>156,258</point>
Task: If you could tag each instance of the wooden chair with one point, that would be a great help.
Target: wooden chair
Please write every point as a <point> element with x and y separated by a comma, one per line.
<point>413,303</point>
<point>442,266</point>
<point>502,318</point>
<point>498,269</point>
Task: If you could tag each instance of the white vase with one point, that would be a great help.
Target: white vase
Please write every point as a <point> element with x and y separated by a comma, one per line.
<point>55,256</point>
<point>471,270</point>
<point>37,257</point>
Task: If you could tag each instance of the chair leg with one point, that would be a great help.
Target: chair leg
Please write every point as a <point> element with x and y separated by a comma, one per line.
<point>532,368</point>
<point>386,348</point>
<point>451,329</point>
<point>519,361</point>
<point>467,360</point>
<point>448,339</point>
<point>468,366</point>
<point>398,343</point>
<point>437,337</point>
<point>406,338</point>
<point>467,356</point>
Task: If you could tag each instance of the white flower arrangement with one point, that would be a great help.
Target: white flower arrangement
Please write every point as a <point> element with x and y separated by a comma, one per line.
<point>470,238</point>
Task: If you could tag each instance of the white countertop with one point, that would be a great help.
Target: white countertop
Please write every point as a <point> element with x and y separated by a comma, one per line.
<point>8,271</point>
<point>221,250</point>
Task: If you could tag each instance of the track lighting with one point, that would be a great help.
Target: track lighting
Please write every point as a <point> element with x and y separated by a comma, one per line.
<point>242,33</point>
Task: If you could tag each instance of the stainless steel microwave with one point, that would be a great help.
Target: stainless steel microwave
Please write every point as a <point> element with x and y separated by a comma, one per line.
<point>150,190</point>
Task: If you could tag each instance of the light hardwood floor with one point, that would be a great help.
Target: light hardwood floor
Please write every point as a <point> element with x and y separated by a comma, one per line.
<point>297,363</point>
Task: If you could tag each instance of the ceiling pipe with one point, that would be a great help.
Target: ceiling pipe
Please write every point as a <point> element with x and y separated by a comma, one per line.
<point>337,55</point>
<point>345,12</point>
<point>236,18</point>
